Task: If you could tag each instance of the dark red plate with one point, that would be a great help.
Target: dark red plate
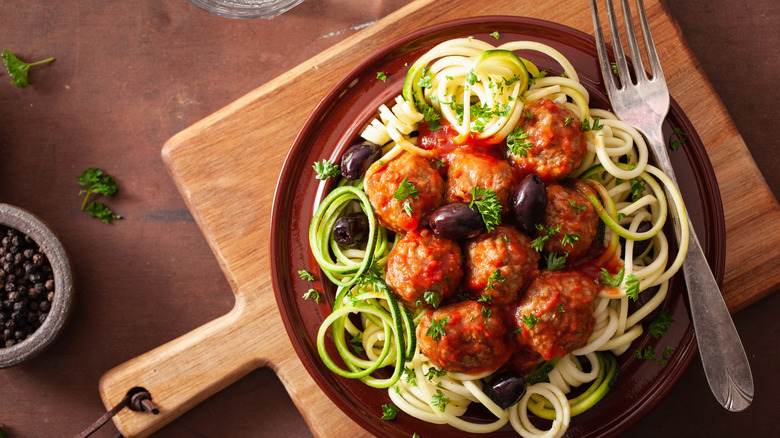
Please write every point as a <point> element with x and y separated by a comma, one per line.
<point>336,123</point>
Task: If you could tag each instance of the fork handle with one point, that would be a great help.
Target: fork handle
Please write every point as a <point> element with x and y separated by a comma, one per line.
<point>722,355</point>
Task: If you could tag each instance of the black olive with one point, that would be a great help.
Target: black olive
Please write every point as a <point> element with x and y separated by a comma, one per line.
<point>456,221</point>
<point>351,230</point>
<point>357,158</point>
<point>529,201</point>
<point>506,389</point>
<point>639,245</point>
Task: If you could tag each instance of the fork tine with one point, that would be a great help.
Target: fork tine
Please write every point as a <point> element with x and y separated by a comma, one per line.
<point>617,45</point>
<point>652,55</point>
<point>601,48</point>
<point>636,55</point>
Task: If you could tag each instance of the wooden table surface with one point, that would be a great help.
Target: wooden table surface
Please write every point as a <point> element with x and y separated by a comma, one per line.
<point>129,75</point>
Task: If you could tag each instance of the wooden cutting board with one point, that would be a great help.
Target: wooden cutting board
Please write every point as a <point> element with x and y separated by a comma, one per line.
<point>224,166</point>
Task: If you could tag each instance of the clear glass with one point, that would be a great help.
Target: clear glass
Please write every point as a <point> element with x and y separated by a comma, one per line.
<point>246,8</point>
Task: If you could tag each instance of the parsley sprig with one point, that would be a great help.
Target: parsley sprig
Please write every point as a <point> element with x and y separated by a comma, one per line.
<point>488,206</point>
<point>325,169</point>
<point>517,142</point>
<point>98,182</point>
<point>436,329</point>
<point>18,69</point>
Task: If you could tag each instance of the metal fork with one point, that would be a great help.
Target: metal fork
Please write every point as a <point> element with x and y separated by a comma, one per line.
<point>644,105</point>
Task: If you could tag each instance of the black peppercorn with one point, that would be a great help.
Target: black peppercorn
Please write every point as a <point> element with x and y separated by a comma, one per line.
<point>26,287</point>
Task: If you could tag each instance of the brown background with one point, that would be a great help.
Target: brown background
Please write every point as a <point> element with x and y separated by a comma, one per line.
<point>129,75</point>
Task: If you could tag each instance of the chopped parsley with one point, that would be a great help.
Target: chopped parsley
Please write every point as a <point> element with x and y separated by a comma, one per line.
<point>440,400</point>
<point>495,277</point>
<point>436,329</point>
<point>529,320</point>
<point>325,169</point>
<point>667,353</point>
<point>404,190</point>
<point>518,143</point>
<point>432,298</point>
<point>556,262</point>
<point>646,354</point>
<point>561,309</point>
<point>632,287</point>
<point>305,275</point>
<point>575,207</point>
<point>425,80</point>
<point>410,376</point>
<point>408,208</point>
<point>615,68</point>
<point>357,343</point>
<point>496,35</point>
<point>585,126</point>
<point>567,120</point>
<point>637,188</point>
<point>434,372</point>
<point>549,230</point>
<point>569,239</point>
<point>382,76</point>
<point>389,411</point>
<point>680,136</point>
<point>486,312</point>
<point>609,280</point>
<point>311,293</point>
<point>488,206</point>
<point>471,77</point>
<point>432,117</point>
<point>661,324</point>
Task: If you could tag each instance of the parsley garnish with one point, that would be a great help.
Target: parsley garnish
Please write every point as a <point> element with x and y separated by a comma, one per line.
<point>436,330</point>
<point>661,324</point>
<point>569,239</point>
<point>434,372</point>
<point>486,312</point>
<point>647,354</point>
<point>556,262</point>
<point>585,126</point>
<point>486,298</point>
<point>357,343</point>
<point>632,287</point>
<point>325,169</point>
<point>311,293</point>
<point>18,69</point>
<point>410,376</point>
<point>667,353</point>
<point>408,208</point>
<point>471,77</point>
<point>518,143</point>
<point>430,116</point>
<point>529,320</point>
<point>404,190</point>
<point>305,275</point>
<point>561,309</point>
<point>615,68</point>
<point>495,277</point>
<point>98,182</point>
<point>432,298</point>
<point>488,206</point>
<point>567,120</point>
<point>533,79</point>
<point>575,207</point>
<point>437,162</point>
<point>440,400</point>
<point>609,280</point>
<point>549,230</point>
<point>637,188</point>
<point>681,137</point>
<point>389,411</point>
<point>425,80</point>
<point>496,35</point>
<point>382,76</point>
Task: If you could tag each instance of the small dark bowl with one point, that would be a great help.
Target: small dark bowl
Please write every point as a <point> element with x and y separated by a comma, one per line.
<point>40,339</point>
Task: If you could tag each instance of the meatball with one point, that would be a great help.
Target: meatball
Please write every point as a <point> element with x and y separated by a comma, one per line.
<point>424,262</point>
<point>555,315</point>
<point>404,191</point>
<point>557,143</point>
<point>465,337</point>
<point>573,216</point>
<point>499,264</point>
<point>474,169</point>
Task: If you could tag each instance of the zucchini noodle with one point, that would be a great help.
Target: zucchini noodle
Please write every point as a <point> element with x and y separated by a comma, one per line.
<point>480,90</point>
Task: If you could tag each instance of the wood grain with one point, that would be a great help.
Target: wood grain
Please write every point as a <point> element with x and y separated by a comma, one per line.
<point>223,166</point>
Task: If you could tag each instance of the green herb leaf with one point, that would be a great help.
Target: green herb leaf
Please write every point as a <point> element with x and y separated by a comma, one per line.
<point>432,117</point>
<point>486,312</point>
<point>561,309</point>
<point>496,35</point>
<point>434,372</point>
<point>495,277</point>
<point>529,320</point>
<point>101,211</point>
<point>646,354</point>
<point>661,324</point>
<point>382,76</point>
<point>436,329</point>
<point>680,137</point>
<point>569,239</point>
<point>305,275</point>
<point>410,376</point>
<point>637,188</point>
<point>577,208</point>
<point>667,354</point>
<point>555,262</point>
<point>325,169</point>
<point>518,143</point>
<point>615,68</point>
<point>389,411</point>
<point>609,280</point>
<point>632,287</point>
<point>425,79</point>
<point>440,400</point>
<point>18,69</point>
<point>311,293</point>
<point>404,190</point>
<point>432,298</point>
<point>357,343</point>
<point>488,206</point>
<point>471,77</point>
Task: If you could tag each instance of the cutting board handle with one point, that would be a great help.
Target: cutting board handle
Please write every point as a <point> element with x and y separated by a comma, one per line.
<point>185,371</point>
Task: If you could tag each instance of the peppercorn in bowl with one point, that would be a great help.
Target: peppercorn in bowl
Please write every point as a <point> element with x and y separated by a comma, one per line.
<point>36,286</point>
